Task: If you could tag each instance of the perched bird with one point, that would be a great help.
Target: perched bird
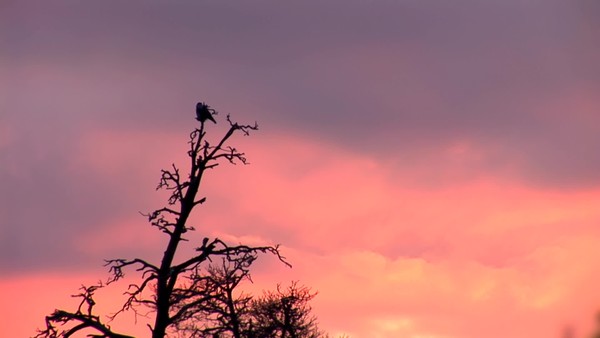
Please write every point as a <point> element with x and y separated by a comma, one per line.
<point>204,112</point>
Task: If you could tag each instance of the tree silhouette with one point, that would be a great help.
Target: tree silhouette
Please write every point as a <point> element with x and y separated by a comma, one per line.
<point>197,296</point>
<point>285,313</point>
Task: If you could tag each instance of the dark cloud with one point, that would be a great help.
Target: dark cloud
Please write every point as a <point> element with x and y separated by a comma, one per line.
<point>386,78</point>
<point>48,199</point>
<point>370,75</point>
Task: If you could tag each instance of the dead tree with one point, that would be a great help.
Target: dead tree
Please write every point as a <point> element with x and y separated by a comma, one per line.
<point>285,313</point>
<point>180,295</point>
<point>225,312</point>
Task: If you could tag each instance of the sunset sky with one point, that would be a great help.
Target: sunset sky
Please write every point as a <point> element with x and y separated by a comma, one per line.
<point>431,168</point>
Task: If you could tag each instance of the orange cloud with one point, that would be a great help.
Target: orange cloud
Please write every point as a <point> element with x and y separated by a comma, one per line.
<point>488,257</point>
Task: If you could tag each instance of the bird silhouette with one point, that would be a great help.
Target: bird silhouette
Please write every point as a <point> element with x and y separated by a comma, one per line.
<point>204,112</point>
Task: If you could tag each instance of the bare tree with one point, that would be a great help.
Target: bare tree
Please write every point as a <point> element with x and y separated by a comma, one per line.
<point>229,314</point>
<point>285,313</point>
<point>195,296</point>
<point>224,311</point>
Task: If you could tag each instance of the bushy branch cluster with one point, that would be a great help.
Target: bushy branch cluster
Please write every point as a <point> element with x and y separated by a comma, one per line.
<point>285,313</point>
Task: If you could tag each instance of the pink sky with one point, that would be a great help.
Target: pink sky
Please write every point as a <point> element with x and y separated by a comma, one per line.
<point>431,170</point>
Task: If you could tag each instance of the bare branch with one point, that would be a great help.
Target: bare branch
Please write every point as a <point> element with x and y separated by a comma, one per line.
<point>116,267</point>
<point>82,319</point>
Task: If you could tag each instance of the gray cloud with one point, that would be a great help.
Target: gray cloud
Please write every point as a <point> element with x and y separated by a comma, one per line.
<point>385,78</point>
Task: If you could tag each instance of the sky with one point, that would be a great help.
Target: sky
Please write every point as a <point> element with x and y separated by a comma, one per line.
<point>431,168</point>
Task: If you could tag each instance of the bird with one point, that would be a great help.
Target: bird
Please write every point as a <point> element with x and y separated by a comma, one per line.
<point>204,112</point>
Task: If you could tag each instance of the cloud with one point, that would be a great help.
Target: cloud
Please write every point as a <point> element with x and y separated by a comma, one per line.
<point>438,161</point>
<point>386,79</point>
<point>59,186</point>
